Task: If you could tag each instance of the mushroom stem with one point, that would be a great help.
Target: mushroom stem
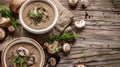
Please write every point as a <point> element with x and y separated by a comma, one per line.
<point>55,44</point>
<point>35,10</point>
<point>51,47</point>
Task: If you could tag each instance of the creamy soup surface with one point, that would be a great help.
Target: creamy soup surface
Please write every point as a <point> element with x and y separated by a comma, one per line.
<point>12,51</point>
<point>45,22</point>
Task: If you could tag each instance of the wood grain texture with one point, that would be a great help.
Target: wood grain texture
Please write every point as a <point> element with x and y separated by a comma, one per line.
<point>100,38</point>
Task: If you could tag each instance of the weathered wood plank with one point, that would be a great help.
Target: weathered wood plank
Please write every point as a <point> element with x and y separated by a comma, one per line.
<point>102,23</point>
<point>95,5</point>
<point>100,38</point>
<point>95,53</point>
<point>97,15</point>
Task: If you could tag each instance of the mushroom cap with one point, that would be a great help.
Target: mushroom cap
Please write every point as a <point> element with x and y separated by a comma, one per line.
<point>66,48</point>
<point>15,5</point>
<point>2,33</point>
<point>79,24</point>
<point>53,60</point>
<point>73,3</point>
<point>84,3</point>
<point>11,29</point>
<point>4,22</point>
<point>22,51</point>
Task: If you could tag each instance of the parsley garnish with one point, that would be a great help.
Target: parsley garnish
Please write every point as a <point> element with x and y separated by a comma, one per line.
<point>8,14</point>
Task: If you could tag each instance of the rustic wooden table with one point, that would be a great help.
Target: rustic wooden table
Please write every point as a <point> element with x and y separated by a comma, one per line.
<point>100,38</point>
<point>98,44</point>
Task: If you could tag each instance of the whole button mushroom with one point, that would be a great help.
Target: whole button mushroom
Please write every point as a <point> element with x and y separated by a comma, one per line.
<point>11,29</point>
<point>4,22</point>
<point>84,3</point>
<point>79,24</point>
<point>53,60</point>
<point>22,51</point>
<point>66,48</point>
<point>73,3</point>
<point>2,34</point>
<point>15,5</point>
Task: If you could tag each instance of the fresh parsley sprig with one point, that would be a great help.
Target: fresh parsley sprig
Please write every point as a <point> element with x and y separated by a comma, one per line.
<point>20,60</point>
<point>8,14</point>
<point>36,17</point>
<point>65,36</point>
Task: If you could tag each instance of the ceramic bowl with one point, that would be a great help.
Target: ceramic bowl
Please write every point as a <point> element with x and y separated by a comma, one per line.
<point>14,43</point>
<point>41,31</point>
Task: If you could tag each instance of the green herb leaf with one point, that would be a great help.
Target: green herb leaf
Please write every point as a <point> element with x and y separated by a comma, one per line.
<point>20,60</point>
<point>65,36</point>
<point>57,50</point>
<point>31,15</point>
<point>6,13</point>
<point>84,53</point>
<point>36,17</point>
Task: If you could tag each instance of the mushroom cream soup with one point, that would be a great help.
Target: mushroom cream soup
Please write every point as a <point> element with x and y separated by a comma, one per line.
<point>13,51</point>
<point>38,15</point>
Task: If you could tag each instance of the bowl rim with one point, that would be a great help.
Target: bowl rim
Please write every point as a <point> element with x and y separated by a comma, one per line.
<point>41,31</point>
<point>20,40</point>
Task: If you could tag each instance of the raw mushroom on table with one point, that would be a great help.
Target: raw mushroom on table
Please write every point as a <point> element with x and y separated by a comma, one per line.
<point>11,29</point>
<point>66,48</point>
<point>84,3</point>
<point>79,24</point>
<point>53,60</point>
<point>51,47</point>
<point>4,22</point>
<point>73,3</point>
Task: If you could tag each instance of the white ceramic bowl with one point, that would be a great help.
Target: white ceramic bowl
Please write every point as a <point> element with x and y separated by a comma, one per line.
<point>22,40</point>
<point>41,31</point>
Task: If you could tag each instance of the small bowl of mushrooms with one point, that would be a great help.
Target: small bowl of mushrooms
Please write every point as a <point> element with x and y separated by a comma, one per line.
<point>23,52</point>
